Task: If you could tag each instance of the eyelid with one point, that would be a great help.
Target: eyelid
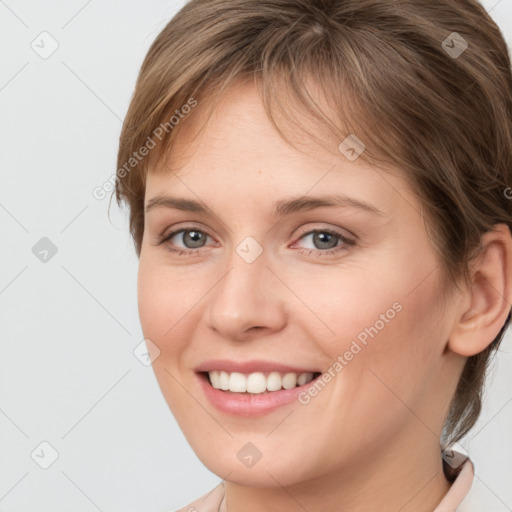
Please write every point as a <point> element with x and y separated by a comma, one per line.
<point>323,227</point>
<point>187,226</point>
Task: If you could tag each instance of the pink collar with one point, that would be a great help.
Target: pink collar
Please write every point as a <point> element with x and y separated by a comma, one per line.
<point>459,489</point>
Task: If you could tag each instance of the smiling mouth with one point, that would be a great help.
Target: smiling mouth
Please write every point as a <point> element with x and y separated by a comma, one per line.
<point>257,383</point>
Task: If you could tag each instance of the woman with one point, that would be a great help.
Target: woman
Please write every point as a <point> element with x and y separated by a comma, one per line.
<point>318,197</point>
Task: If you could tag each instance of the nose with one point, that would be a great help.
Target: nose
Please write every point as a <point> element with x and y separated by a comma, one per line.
<point>248,301</point>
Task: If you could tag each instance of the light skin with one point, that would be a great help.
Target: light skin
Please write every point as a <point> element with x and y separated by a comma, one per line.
<point>370,439</point>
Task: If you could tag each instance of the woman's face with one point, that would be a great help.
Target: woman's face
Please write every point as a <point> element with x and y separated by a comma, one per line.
<point>266,276</point>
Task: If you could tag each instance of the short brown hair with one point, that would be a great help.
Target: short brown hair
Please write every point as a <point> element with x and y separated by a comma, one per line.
<point>398,75</point>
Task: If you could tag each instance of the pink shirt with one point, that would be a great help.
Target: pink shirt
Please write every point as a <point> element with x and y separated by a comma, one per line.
<point>213,501</point>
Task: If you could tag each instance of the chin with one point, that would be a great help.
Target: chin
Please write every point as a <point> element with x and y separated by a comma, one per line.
<point>273,471</point>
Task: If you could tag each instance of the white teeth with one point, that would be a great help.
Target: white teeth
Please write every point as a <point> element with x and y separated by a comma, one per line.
<point>303,378</point>
<point>223,380</point>
<point>215,379</point>
<point>256,383</point>
<point>237,382</point>
<point>274,381</point>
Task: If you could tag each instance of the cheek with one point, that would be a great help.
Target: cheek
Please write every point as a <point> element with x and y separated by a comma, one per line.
<point>166,300</point>
<point>163,311</point>
<point>152,301</point>
<point>383,355</point>
<point>377,330</point>
<point>388,302</point>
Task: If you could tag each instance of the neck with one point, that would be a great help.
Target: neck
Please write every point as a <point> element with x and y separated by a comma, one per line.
<point>405,476</point>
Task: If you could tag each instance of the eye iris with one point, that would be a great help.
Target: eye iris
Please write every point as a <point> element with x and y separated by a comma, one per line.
<point>324,237</point>
<point>193,237</point>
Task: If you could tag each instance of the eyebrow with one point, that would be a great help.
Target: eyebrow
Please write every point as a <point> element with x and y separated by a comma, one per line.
<point>281,207</point>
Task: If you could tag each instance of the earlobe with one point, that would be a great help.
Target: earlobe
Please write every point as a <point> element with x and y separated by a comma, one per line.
<point>488,302</point>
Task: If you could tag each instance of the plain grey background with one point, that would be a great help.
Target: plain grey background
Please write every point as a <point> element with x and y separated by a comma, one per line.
<point>69,322</point>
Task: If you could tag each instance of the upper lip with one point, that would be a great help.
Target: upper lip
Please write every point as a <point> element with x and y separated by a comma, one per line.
<point>247,367</point>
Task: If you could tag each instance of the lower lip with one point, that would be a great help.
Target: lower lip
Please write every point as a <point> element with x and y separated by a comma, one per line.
<point>249,405</point>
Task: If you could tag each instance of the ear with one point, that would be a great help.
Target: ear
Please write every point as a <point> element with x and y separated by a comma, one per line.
<point>486,305</point>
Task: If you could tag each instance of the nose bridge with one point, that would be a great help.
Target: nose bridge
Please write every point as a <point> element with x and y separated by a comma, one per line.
<point>245,297</point>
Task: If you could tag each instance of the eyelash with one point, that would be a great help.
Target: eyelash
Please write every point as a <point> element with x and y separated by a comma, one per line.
<point>346,242</point>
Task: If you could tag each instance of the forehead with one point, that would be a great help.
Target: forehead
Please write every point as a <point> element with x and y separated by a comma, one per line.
<point>237,122</point>
<point>237,152</point>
